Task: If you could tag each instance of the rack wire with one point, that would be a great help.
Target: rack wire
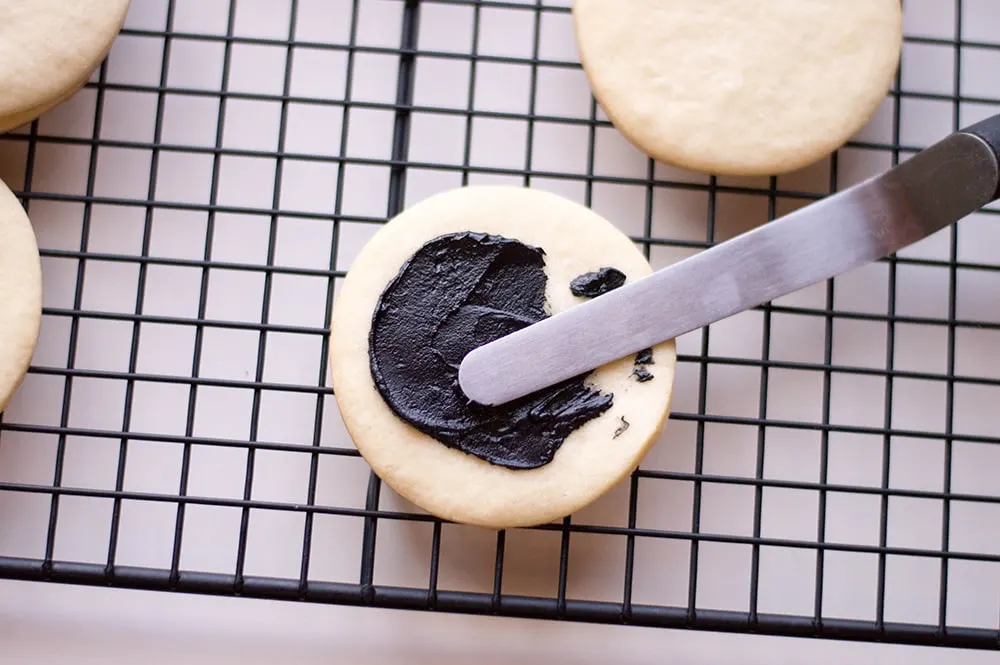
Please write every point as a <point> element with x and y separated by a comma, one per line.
<point>829,468</point>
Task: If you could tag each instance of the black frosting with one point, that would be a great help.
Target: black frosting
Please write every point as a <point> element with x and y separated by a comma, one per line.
<point>644,357</point>
<point>594,284</point>
<point>458,292</point>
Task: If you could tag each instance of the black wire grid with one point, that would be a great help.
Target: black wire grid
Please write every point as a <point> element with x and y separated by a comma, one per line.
<point>374,513</point>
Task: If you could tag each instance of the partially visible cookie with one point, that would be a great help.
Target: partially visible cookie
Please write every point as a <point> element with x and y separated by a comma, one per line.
<point>49,49</point>
<point>20,294</point>
<point>739,87</point>
<point>455,272</point>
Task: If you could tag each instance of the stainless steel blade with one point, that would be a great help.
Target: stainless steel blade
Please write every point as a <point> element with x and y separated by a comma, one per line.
<point>929,191</point>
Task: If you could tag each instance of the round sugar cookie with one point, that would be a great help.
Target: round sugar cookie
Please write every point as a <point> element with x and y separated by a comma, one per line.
<point>49,49</point>
<point>739,87</point>
<point>448,275</point>
<point>20,294</point>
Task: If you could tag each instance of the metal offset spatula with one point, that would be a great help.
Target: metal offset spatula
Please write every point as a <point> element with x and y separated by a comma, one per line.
<point>933,189</point>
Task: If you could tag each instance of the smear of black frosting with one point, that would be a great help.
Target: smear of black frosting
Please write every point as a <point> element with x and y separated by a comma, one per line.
<point>458,292</point>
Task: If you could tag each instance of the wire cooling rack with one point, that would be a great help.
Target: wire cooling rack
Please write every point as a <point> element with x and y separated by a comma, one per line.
<point>829,470</point>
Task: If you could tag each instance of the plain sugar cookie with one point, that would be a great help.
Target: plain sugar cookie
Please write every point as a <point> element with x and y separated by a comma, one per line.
<point>739,87</point>
<point>49,49</point>
<point>20,294</point>
<point>450,274</point>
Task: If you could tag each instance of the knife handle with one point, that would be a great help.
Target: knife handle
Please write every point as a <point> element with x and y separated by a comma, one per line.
<point>989,131</point>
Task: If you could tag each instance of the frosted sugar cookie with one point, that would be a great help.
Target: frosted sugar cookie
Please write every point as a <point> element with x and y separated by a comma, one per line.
<point>455,272</point>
